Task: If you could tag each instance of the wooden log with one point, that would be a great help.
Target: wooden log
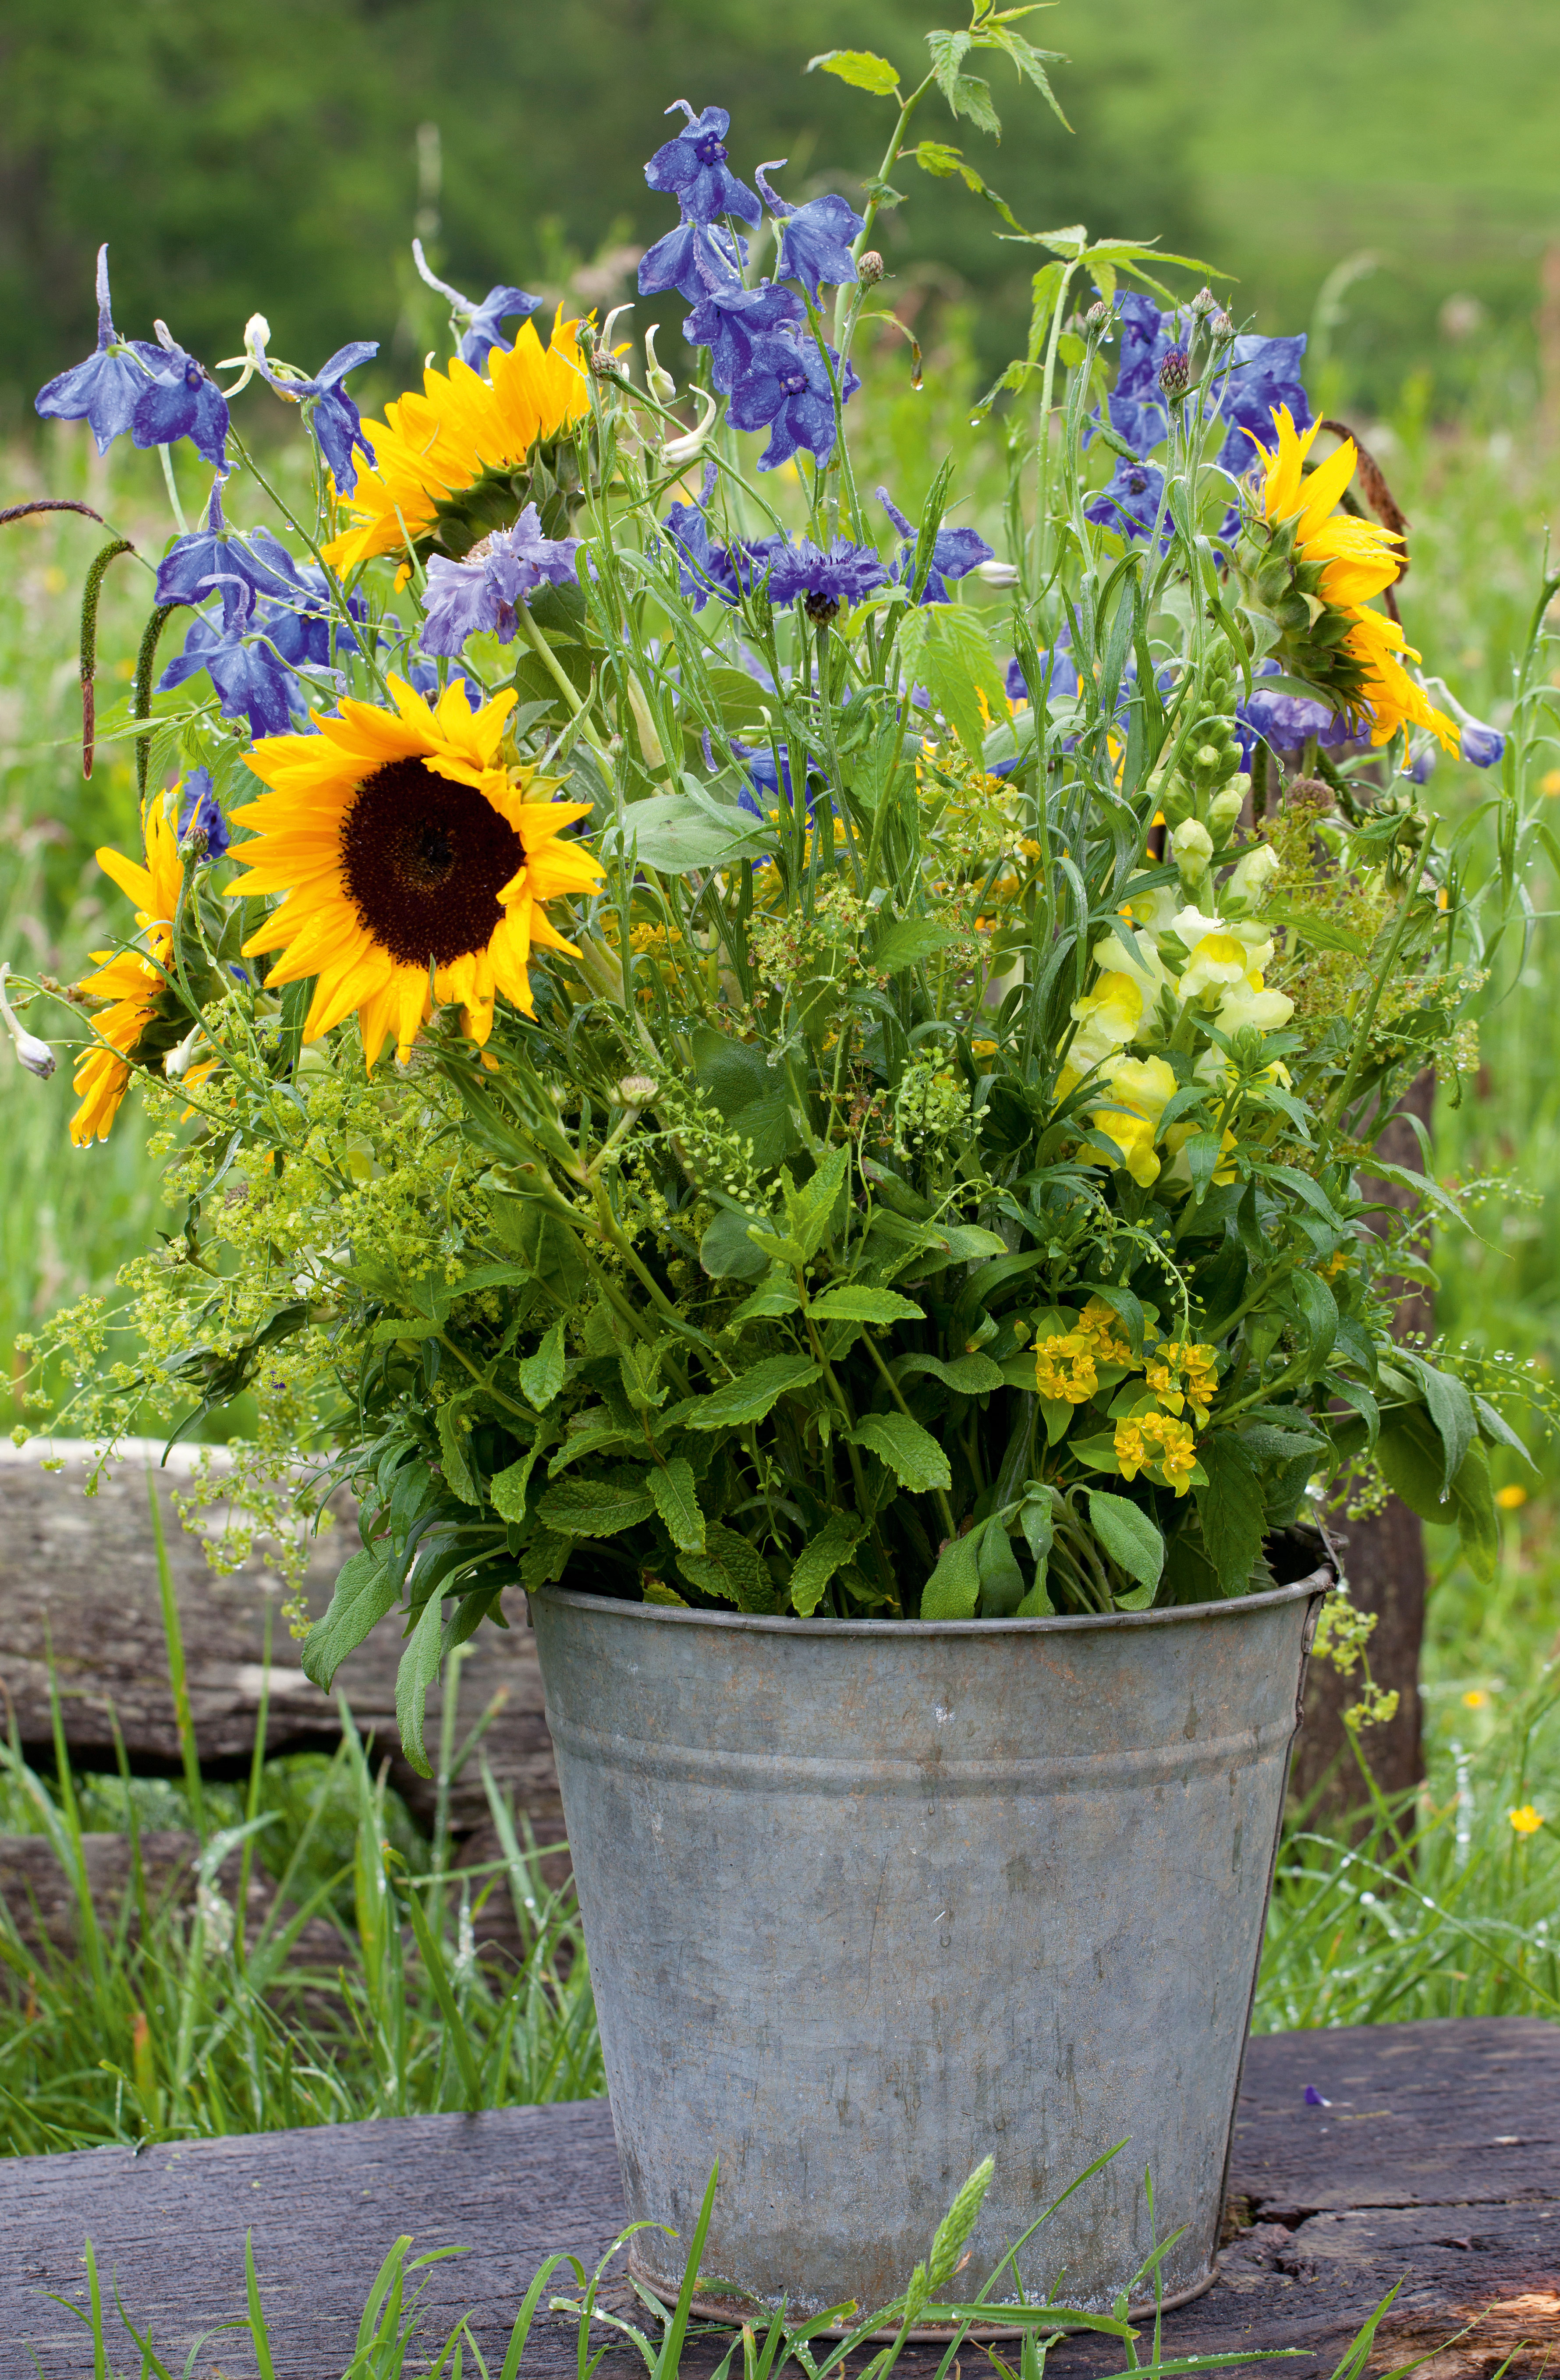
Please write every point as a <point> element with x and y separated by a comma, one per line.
<point>1436,2164</point>
<point>78,1581</point>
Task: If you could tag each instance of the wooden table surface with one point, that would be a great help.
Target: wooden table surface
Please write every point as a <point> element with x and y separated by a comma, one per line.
<point>1435,2162</point>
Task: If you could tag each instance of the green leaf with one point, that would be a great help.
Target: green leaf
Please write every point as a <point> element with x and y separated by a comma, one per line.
<point>541,1376</point>
<point>593,1508</point>
<point>971,96</point>
<point>1322,933</point>
<point>850,1304</point>
<point>419,1667</point>
<point>730,1567</point>
<point>769,1301</point>
<point>863,69</point>
<point>507,1492</point>
<point>947,651</point>
<point>383,1332</point>
<point>817,1563</point>
<point>364,1592</point>
<point>1031,62</point>
<point>1451,1409</point>
<point>451,1446</point>
<point>911,1454</point>
<point>672,833</point>
<point>1128,1536</point>
<point>1037,1519</point>
<point>953,1588</point>
<point>751,1397</point>
<point>726,1253</point>
<point>1319,1313</point>
<point>909,941</point>
<point>676,1501</point>
<point>1231,1510</point>
<point>1002,1582</point>
<point>968,1375</point>
<point>937,157</point>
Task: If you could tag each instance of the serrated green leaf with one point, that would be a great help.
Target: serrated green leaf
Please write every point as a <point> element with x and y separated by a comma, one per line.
<point>1231,1510</point>
<point>507,1492</point>
<point>452,1446</point>
<point>418,1668</point>
<point>968,1375</point>
<point>911,1454</point>
<point>947,651</point>
<point>817,1563</point>
<point>730,1567</point>
<point>594,1508</point>
<point>677,1499</point>
<point>364,1592</point>
<point>760,1388</point>
<point>541,1375</point>
<point>909,941</point>
<point>1128,1536</point>
<point>953,1588</point>
<point>862,69</point>
<point>850,1303</point>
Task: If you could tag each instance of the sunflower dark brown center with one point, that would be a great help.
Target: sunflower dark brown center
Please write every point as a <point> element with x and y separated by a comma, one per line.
<point>424,861</point>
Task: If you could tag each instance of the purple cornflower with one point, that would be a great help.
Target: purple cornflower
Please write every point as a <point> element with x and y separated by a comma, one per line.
<point>1129,503</point>
<point>192,563</point>
<point>823,578</point>
<point>692,168</point>
<point>785,389</point>
<point>103,391</point>
<point>955,552</point>
<point>200,813</point>
<point>729,320</point>
<point>504,570</point>
<point>181,401</point>
<point>251,679</point>
<point>815,240</point>
<point>693,260</point>
<point>337,422</point>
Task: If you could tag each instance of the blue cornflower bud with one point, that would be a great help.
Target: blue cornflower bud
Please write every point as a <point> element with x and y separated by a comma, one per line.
<point>478,323</point>
<point>784,388</point>
<point>955,552</point>
<point>504,570</point>
<point>200,813</point>
<point>693,169</point>
<point>181,401</point>
<point>103,391</point>
<point>815,240</point>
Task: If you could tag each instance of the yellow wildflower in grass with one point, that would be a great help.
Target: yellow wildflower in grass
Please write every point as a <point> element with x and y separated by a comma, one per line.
<point>1356,562</point>
<point>1512,1498</point>
<point>1475,1698</point>
<point>1064,1370</point>
<point>432,447</point>
<point>130,983</point>
<point>405,851</point>
<point>1550,782</point>
<point>1525,1821</point>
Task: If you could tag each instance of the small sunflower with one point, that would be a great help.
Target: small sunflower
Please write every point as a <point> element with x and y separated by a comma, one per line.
<point>464,456</point>
<point>1316,572</point>
<point>415,865</point>
<point>135,985</point>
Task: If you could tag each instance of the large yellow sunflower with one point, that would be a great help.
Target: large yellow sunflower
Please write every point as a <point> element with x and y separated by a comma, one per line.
<point>408,853</point>
<point>1340,564</point>
<point>432,447</point>
<point>133,984</point>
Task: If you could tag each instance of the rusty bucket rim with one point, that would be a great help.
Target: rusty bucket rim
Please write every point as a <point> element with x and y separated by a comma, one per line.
<point>1317,1582</point>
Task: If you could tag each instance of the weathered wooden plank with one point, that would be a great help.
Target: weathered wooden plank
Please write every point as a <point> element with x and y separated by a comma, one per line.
<point>515,2185</point>
<point>78,1575</point>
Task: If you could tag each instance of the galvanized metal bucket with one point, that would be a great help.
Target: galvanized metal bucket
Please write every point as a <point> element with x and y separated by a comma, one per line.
<point>867,1902</point>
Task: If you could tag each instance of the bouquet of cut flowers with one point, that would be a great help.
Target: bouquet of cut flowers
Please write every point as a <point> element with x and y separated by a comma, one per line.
<point>718,1040</point>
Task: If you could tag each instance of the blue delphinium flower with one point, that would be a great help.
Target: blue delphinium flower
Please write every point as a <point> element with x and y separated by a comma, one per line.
<point>823,578</point>
<point>815,240</point>
<point>1262,373</point>
<point>955,552</point>
<point>252,682</point>
<point>1481,746</point>
<point>192,563</point>
<point>692,260</point>
<point>336,422</point>
<point>309,632</point>
<point>200,813</point>
<point>1129,501</point>
<point>103,391</point>
<point>692,169</point>
<point>424,677</point>
<point>729,320</point>
<point>181,400</point>
<point>704,568</point>
<point>1147,337</point>
<point>784,388</point>
<point>479,322</point>
<point>481,592</point>
<point>1284,721</point>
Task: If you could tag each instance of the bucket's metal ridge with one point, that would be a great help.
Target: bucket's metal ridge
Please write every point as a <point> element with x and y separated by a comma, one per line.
<point>869,1901</point>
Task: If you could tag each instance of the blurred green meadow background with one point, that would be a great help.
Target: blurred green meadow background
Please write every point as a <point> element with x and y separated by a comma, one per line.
<point>1379,173</point>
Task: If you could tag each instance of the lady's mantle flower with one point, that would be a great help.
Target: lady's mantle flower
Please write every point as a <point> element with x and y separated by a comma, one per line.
<point>815,240</point>
<point>481,592</point>
<point>102,392</point>
<point>955,554</point>
<point>823,578</point>
<point>692,169</point>
<point>785,389</point>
